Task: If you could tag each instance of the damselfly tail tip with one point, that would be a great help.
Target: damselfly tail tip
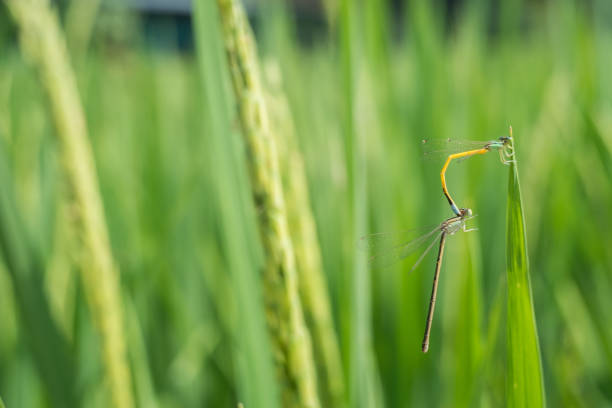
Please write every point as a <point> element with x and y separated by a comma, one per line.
<point>425,347</point>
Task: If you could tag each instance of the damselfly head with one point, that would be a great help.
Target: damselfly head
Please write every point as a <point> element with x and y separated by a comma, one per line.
<point>505,139</point>
<point>466,212</point>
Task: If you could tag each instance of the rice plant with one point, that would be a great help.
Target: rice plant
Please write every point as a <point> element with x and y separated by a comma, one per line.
<point>290,336</point>
<point>44,42</point>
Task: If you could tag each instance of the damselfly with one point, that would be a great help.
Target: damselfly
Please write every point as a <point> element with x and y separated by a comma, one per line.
<point>386,250</point>
<point>456,149</point>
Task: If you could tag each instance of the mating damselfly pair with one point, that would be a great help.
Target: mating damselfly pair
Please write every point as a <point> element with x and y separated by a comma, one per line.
<point>388,248</point>
<point>463,149</point>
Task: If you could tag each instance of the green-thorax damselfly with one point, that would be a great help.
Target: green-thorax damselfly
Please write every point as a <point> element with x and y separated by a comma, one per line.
<point>386,249</point>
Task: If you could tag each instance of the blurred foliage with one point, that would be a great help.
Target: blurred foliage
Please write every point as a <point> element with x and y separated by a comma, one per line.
<point>363,95</point>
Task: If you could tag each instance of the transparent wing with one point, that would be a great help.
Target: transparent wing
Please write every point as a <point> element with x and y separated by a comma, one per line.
<point>442,148</point>
<point>386,248</point>
<point>433,242</point>
<point>451,229</point>
<point>381,241</point>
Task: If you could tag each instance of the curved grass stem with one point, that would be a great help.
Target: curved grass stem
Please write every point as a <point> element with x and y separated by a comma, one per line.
<point>290,336</point>
<point>43,41</point>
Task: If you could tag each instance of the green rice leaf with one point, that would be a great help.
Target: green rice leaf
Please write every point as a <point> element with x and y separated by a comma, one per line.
<point>49,348</point>
<point>255,380</point>
<point>524,368</point>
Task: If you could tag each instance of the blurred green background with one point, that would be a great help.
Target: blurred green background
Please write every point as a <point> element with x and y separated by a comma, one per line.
<point>416,70</point>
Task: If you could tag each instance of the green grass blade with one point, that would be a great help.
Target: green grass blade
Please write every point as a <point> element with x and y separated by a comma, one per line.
<point>291,337</point>
<point>80,22</point>
<point>255,378</point>
<point>364,385</point>
<point>524,370</point>
<point>44,42</point>
<point>313,287</point>
<point>46,342</point>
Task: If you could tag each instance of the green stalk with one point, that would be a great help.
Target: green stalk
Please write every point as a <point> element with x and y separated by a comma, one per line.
<point>364,385</point>
<point>312,284</point>
<point>255,371</point>
<point>525,384</point>
<point>290,336</point>
<point>80,21</point>
<point>43,41</point>
<point>49,346</point>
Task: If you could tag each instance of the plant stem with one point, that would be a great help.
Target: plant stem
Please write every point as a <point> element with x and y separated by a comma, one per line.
<point>43,41</point>
<point>312,284</point>
<point>290,336</point>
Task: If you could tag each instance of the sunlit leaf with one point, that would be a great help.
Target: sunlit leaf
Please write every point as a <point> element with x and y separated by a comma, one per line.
<point>524,370</point>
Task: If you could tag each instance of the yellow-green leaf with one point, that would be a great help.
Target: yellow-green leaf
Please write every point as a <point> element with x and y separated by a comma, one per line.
<point>524,370</point>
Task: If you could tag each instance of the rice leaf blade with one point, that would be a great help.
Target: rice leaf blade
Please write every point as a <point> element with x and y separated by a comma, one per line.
<point>524,371</point>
